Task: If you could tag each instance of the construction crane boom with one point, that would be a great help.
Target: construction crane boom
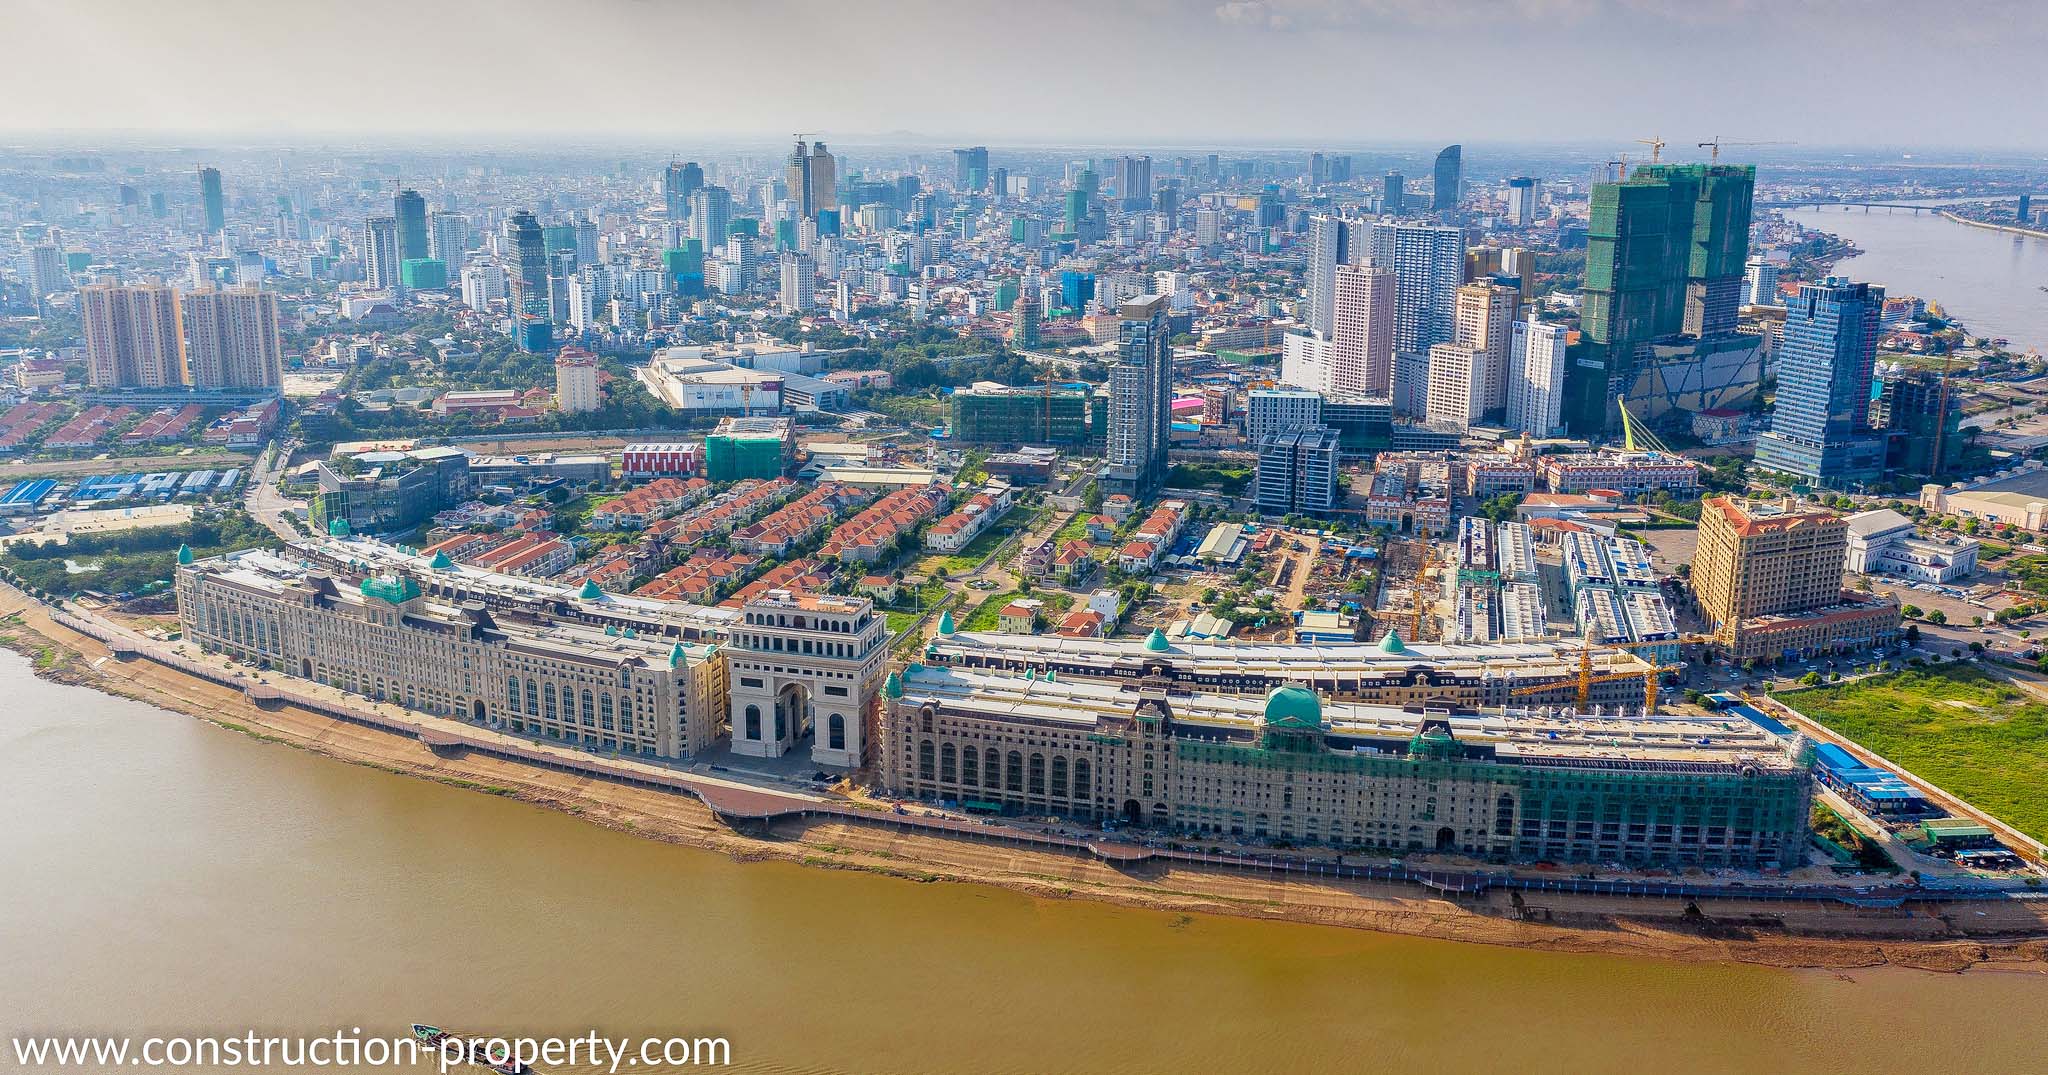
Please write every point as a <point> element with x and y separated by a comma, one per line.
<point>1656,148</point>
<point>1717,143</point>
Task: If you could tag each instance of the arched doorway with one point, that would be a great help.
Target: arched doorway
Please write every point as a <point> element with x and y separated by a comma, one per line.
<point>476,711</point>
<point>792,714</point>
<point>1133,813</point>
<point>305,668</point>
<point>1446,839</point>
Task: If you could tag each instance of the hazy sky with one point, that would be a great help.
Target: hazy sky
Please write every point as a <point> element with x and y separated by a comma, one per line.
<point>1822,72</point>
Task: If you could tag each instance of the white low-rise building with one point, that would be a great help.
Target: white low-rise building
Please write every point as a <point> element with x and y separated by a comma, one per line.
<point>1885,542</point>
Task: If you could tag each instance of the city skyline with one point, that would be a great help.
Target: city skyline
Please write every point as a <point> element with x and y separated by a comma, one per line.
<point>1763,58</point>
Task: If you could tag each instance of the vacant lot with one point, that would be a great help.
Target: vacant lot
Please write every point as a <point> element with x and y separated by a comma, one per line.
<point>1973,734</point>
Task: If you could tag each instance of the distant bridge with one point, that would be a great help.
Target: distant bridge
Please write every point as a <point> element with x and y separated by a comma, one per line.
<point>1867,206</point>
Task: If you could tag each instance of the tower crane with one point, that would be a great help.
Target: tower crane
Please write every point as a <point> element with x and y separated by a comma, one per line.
<point>1586,678</point>
<point>1656,148</point>
<point>1717,143</point>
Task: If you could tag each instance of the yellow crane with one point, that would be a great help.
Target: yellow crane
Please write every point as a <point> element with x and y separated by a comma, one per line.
<point>1717,143</point>
<point>1586,678</point>
<point>1421,584</point>
<point>1656,148</point>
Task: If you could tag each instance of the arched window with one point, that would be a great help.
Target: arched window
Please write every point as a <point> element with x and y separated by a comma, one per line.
<point>547,695</point>
<point>970,766</point>
<point>604,708</point>
<point>754,722</point>
<point>1059,777</point>
<point>992,773</point>
<point>588,711</point>
<point>1037,784</point>
<point>1013,771</point>
<point>532,699</point>
<point>947,757</point>
<point>835,737</point>
<point>924,760</point>
<point>512,694</point>
<point>1084,787</point>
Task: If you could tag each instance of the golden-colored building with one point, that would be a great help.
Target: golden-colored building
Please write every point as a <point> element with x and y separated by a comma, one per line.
<point>1769,580</point>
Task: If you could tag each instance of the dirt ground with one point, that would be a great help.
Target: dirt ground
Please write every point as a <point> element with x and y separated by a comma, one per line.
<point>1948,937</point>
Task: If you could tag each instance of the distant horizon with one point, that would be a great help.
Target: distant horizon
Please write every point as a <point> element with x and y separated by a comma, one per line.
<point>165,140</point>
<point>1059,72</point>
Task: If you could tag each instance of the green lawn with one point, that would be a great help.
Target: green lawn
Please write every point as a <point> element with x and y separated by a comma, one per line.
<point>987,615</point>
<point>1955,725</point>
<point>969,558</point>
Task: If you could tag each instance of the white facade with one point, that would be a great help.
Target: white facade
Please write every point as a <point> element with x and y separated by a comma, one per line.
<point>1276,410</point>
<point>801,665</point>
<point>1884,542</point>
<point>448,239</point>
<point>483,284</point>
<point>1535,389</point>
<point>1305,361</point>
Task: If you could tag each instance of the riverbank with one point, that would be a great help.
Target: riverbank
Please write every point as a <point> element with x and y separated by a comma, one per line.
<point>2011,229</point>
<point>1954,936</point>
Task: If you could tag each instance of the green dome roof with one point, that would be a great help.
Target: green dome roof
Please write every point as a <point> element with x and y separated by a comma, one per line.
<point>1290,706</point>
<point>184,554</point>
<point>590,591</point>
<point>675,655</point>
<point>441,561</point>
<point>893,686</point>
<point>946,622</point>
<point>1156,641</point>
<point>1392,643</point>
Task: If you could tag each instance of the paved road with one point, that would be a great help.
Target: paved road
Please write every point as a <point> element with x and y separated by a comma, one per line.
<point>261,498</point>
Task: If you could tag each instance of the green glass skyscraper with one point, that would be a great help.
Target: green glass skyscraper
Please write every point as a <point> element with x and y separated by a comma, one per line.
<point>1664,257</point>
<point>212,205</point>
<point>411,211</point>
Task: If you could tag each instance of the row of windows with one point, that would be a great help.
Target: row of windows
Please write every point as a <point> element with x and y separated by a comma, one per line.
<point>971,768</point>
<point>540,700</point>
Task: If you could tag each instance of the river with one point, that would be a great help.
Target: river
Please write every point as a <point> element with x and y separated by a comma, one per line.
<point>1990,280</point>
<point>166,876</point>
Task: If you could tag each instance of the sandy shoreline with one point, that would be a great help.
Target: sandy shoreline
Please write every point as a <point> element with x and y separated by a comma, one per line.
<point>2004,934</point>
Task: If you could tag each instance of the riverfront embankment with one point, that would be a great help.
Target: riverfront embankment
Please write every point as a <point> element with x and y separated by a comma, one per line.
<point>2010,229</point>
<point>1949,936</point>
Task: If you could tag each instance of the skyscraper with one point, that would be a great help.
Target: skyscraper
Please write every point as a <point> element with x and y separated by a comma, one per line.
<point>46,273</point>
<point>1820,430</point>
<point>380,252</point>
<point>133,336</point>
<point>1449,175</point>
<point>678,182</point>
<point>576,381</point>
<point>1362,331</point>
<point>1457,384</point>
<point>1521,201</point>
<point>1536,361</point>
<point>1024,319</point>
<point>1429,267</point>
<point>525,253</point>
<point>1133,178</point>
<point>812,179</point>
<point>1140,397</point>
<point>232,339</point>
<point>448,240</point>
<point>1760,282</point>
<point>410,210</point>
<point>1485,319</point>
<point>799,281</point>
<point>1329,246</point>
<point>1394,193</point>
<point>212,204</point>
<point>970,168</point>
<point>1665,250</point>
<point>710,217</point>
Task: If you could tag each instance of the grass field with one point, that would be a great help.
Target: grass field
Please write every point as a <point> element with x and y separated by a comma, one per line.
<point>987,616</point>
<point>1972,734</point>
<point>969,558</point>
